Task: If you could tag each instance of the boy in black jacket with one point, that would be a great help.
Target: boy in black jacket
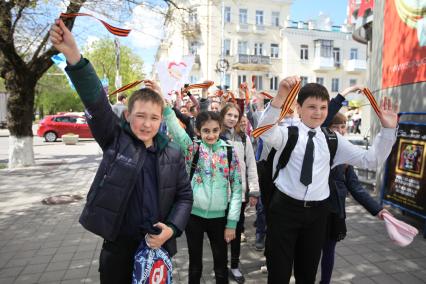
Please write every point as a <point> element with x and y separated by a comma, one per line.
<point>141,189</point>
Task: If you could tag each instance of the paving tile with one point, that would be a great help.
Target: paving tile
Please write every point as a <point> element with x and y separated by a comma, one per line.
<point>28,278</point>
<point>76,273</point>
<point>52,276</point>
<point>34,268</point>
<point>383,278</point>
<point>58,265</point>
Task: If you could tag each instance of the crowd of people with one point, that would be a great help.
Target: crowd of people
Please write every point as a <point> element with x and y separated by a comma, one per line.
<point>192,166</point>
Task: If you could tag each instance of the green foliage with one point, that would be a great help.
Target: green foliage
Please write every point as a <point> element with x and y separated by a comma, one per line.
<point>54,94</point>
<point>101,54</point>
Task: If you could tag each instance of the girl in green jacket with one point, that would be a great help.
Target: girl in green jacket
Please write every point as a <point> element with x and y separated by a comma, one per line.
<point>216,185</point>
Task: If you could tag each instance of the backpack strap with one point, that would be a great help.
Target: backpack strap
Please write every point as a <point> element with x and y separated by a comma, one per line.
<point>194,161</point>
<point>229,156</point>
<point>293,136</point>
<point>331,138</point>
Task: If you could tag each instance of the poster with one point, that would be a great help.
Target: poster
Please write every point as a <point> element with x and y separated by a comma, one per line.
<point>404,46</point>
<point>174,74</point>
<point>405,184</point>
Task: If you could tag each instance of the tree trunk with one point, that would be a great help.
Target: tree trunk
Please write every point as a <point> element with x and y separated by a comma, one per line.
<point>20,106</point>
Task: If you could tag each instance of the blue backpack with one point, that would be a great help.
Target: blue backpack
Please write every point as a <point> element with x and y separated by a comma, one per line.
<point>152,266</point>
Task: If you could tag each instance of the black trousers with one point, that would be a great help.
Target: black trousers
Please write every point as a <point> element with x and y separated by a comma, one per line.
<point>295,235</point>
<point>116,261</point>
<point>236,243</point>
<point>215,229</point>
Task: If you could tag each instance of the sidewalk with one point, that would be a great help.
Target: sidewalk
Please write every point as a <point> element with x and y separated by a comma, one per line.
<point>46,244</point>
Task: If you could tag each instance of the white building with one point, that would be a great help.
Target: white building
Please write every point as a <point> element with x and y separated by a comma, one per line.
<point>260,43</point>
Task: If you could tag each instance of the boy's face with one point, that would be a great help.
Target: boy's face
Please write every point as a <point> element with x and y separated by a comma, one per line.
<point>313,112</point>
<point>341,128</point>
<point>210,131</point>
<point>145,120</point>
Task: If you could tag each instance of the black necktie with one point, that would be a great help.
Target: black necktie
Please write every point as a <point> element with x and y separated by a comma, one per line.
<point>308,160</point>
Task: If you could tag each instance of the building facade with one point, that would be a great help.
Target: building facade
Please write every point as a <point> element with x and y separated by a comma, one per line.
<point>259,44</point>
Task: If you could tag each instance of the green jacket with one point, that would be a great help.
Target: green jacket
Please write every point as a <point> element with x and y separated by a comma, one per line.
<point>214,185</point>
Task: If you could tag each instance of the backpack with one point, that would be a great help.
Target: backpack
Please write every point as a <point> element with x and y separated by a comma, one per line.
<point>265,167</point>
<point>197,156</point>
<point>152,266</point>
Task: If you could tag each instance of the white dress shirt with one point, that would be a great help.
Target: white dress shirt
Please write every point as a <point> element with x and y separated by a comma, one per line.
<point>288,180</point>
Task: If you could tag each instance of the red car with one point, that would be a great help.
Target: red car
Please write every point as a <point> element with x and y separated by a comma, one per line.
<point>53,127</point>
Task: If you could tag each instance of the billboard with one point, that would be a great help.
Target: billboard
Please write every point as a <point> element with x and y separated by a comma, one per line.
<point>405,182</point>
<point>404,46</point>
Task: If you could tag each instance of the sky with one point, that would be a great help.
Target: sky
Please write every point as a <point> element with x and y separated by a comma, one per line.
<point>147,25</point>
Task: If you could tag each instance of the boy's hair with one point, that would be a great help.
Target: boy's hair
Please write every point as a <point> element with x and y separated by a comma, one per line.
<point>192,108</point>
<point>205,116</point>
<point>339,118</point>
<point>145,95</point>
<point>313,90</point>
<point>121,97</point>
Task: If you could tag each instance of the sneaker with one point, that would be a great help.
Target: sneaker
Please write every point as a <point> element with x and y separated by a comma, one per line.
<point>260,243</point>
<point>239,279</point>
<point>243,238</point>
<point>264,269</point>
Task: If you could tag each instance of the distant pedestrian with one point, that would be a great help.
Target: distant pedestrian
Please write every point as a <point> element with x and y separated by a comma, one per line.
<point>120,107</point>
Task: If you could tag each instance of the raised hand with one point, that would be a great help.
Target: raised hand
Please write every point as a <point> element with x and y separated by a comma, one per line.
<point>352,89</point>
<point>284,89</point>
<point>63,40</point>
<point>388,115</point>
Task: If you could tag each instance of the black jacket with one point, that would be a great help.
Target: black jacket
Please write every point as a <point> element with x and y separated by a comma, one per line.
<point>123,157</point>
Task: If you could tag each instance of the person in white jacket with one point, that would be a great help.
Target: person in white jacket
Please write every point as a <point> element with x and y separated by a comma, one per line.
<point>231,131</point>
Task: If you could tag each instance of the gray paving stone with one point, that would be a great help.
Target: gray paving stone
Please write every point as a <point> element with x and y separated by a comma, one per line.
<point>28,278</point>
<point>52,276</point>
<point>34,268</point>
<point>405,277</point>
<point>59,265</point>
<point>362,281</point>
<point>78,273</point>
<point>10,271</point>
<point>384,278</point>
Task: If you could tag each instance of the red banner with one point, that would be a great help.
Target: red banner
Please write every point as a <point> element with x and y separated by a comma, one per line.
<point>404,57</point>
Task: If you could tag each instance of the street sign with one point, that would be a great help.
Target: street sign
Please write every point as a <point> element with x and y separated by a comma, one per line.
<point>222,65</point>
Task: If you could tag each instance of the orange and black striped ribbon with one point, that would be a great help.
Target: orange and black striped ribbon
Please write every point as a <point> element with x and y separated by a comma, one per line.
<point>285,109</point>
<point>126,87</point>
<point>204,85</point>
<point>114,30</point>
<point>268,96</point>
<point>372,100</point>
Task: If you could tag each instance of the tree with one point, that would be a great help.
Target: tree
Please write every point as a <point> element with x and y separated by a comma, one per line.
<point>102,56</point>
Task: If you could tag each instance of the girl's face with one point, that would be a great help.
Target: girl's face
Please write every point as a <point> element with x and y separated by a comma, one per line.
<point>210,131</point>
<point>231,118</point>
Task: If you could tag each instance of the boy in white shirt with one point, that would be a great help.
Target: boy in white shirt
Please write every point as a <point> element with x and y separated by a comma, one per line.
<point>299,206</point>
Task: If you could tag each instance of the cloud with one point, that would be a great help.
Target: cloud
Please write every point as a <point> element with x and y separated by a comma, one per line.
<point>147,24</point>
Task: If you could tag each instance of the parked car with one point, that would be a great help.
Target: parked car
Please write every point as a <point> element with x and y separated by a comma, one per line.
<point>53,127</point>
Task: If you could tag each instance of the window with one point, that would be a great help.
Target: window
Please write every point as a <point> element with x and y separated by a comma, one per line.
<point>304,52</point>
<point>354,53</point>
<point>66,119</point>
<point>336,56</point>
<point>303,80</point>
<point>193,79</point>
<point>228,80</point>
<point>193,16</point>
<point>259,18</point>
<point>352,82</point>
<point>320,80</point>
<point>243,16</point>
<point>193,47</point>
<point>335,85</point>
<point>258,82</point>
<point>258,48</point>
<point>227,47</point>
<point>227,15</point>
<point>323,48</point>
<point>242,47</point>
<point>275,50</point>
<point>241,79</point>
<point>275,19</point>
<point>273,83</point>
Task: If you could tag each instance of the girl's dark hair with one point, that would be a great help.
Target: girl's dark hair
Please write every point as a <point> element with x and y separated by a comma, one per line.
<point>205,116</point>
<point>223,112</point>
<point>312,90</point>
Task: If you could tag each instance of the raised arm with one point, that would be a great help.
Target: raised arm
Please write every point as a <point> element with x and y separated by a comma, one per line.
<point>100,116</point>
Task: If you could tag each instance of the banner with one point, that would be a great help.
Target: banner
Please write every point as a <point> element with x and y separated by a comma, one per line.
<point>174,74</point>
<point>404,46</point>
<point>405,183</point>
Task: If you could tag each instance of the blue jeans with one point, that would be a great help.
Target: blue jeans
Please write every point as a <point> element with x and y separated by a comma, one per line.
<point>260,220</point>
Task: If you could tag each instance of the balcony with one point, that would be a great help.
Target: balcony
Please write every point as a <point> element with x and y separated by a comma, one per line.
<point>191,29</point>
<point>252,62</point>
<point>243,28</point>
<point>323,64</point>
<point>259,29</point>
<point>356,66</point>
